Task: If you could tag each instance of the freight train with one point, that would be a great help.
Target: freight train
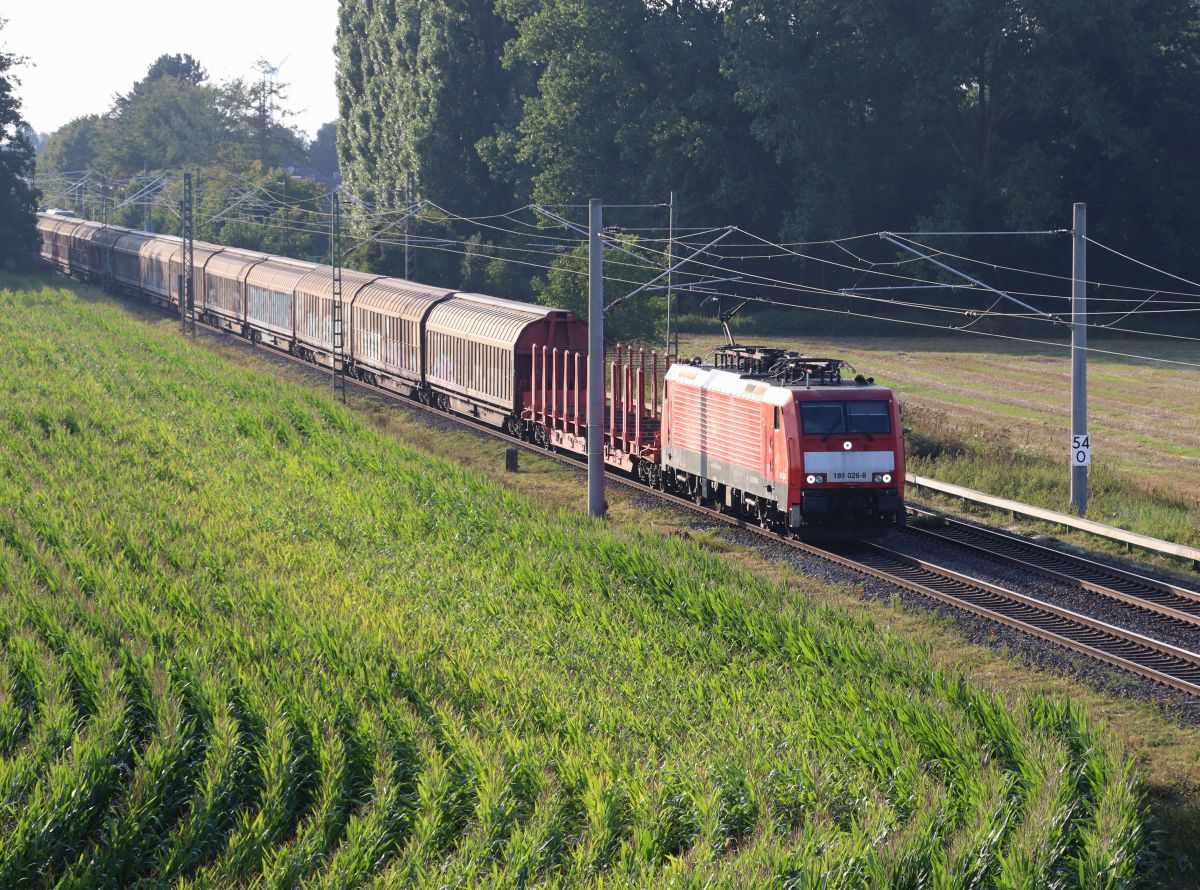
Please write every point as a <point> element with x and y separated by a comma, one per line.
<point>788,441</point>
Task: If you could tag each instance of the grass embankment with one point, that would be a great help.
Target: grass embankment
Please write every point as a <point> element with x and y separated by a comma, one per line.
<point>996,417</point>
<point>247,638</point>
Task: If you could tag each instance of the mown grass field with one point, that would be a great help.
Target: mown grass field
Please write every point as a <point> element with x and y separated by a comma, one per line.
<point>249,639</point>
<point>995,416</point>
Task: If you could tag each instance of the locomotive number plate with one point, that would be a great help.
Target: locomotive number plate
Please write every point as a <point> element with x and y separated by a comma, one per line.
<point>849,477</point>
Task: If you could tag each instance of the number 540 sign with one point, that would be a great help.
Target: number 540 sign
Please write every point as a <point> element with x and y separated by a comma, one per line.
<point>1081,451</point>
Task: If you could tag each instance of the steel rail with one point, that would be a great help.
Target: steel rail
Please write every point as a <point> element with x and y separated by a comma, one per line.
<point>1159,597</point>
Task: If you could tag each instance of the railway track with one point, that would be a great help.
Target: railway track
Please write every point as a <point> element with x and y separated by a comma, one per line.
<point>1170,665</point>
<point>1171,601</point>
<point>1136,653</point>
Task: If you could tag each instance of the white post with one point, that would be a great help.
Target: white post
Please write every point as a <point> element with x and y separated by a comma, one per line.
<point>595,375</point>
<point>1080,441</point>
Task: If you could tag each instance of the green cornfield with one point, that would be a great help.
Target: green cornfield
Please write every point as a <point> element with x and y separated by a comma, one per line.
<point>246,639</point>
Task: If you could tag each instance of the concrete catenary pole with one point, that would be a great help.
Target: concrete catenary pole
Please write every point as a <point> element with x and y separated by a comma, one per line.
<point>408,202</point>
<point>670,264</point>
<point>595,373</point>
<point>1080,441</point>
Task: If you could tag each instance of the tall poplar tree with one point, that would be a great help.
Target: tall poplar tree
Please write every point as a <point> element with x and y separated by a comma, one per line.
<point>419,84</point>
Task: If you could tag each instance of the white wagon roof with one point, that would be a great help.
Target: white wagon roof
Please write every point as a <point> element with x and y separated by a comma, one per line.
<point>398,298</point>
<point>485,319</point>
<point>319,283</point>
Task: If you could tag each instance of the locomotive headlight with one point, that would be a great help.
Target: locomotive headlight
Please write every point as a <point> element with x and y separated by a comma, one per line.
<point>887,477</point>
<point>882,477</point>
<point>811,480</point>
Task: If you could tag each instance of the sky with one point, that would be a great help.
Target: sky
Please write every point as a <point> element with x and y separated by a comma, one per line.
<point>81,54</point>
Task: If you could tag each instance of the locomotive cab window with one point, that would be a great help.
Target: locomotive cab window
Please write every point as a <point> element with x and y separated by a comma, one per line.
<point>820,418</point>
<point>869,417</point>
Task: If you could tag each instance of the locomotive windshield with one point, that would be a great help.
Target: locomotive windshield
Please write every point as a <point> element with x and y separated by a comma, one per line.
<point>824,418</point>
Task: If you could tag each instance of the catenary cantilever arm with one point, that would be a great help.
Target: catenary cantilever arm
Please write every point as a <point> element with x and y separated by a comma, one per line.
<point>887,236</point>
<point>663,274</point>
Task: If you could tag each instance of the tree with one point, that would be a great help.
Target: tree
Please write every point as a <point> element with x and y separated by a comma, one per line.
<point>181,66</point>
<point>71,148</point>
<point>626,100</point>
<point>638,319</point>
<point>163,124</point>
<point>172,118</point>
<point>293,221</point>
<point>18,198</point>
<point>322,151</point>
<point>247,111</point>
<point>419,84</point>
<point>970,113</point>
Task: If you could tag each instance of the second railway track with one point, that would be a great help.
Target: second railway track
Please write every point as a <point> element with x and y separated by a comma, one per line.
<point>1171,601</point>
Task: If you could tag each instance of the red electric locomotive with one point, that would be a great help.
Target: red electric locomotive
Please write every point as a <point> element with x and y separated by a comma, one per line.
<point>787,440</point>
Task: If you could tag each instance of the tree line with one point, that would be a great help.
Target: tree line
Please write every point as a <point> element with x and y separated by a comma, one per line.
<point>233,135</point>
<point>802,120</point>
